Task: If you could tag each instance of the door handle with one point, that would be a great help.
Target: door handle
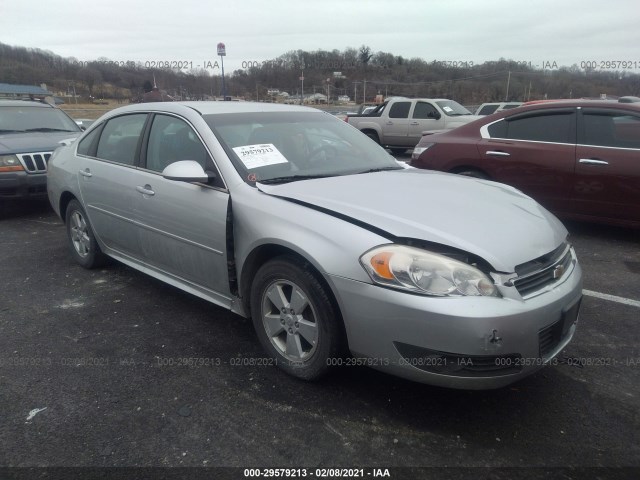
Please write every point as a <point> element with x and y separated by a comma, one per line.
<point>593,161</point>
<point>498,153</point>
<point>85,173</point>
<point>415,123</point>
<point>389,123</point>
<point>146,190</point>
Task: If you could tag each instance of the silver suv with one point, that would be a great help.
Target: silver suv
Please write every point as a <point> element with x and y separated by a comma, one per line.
<point>489,108</point>
<point>29,133</point>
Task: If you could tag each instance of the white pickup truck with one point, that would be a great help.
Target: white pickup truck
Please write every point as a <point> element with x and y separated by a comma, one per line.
<point>400,122</point>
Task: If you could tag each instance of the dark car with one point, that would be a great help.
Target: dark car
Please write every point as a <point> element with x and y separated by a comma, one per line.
<point>579,158</point>
<point>29,133</point>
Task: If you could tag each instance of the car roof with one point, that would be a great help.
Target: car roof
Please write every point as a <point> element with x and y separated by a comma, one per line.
<point>472,128</point>
<point>545,104</point>
<point>213,107</point>
<point>24,103</point>
<point>500,103</point>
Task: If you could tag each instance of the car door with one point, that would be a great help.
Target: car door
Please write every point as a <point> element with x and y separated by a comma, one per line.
<point>607,182</point>
<point>395,129</point>
<point>107,179</point>
<point>534,152</point>
<point>183,230</point>
<point>424,117</point>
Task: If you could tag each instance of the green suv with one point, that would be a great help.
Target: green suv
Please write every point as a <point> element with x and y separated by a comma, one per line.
<point>29,133</point>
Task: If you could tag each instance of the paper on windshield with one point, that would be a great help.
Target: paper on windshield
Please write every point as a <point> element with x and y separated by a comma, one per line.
<point>447,109</point>
<point>260,155</point>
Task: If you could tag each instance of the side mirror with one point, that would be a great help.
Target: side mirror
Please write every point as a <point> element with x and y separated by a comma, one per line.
<point>185,171</point>
<point>434,115</point>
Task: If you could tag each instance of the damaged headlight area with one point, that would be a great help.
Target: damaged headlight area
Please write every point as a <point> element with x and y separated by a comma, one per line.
<point>427,273</point>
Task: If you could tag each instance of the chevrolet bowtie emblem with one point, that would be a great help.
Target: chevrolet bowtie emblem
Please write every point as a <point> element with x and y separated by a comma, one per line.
<point>558,271</point>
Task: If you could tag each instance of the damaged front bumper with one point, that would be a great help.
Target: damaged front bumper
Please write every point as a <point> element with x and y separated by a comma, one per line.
<point>458,342</point>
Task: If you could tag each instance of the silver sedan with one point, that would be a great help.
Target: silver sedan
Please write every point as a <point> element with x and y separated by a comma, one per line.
<point>338,253</point>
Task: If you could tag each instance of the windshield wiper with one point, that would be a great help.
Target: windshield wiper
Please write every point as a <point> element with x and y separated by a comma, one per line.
<point>292,178</point>
<point>11,131</point>
<point>382,169</point>
<point>45,129</point>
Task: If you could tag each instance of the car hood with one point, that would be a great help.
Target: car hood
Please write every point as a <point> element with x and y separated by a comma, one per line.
<point>488,219</point>
<point>33,141</point>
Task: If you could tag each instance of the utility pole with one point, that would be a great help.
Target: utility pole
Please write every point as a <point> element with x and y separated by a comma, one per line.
<point>222,51</point>
<point>364,93</point>
<point>302,85</point>
<point>506,97</point>
<point>328,90</point>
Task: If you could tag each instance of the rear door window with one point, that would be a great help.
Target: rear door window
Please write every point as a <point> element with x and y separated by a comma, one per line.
<point>87,146</point>
<point>400,110</point>
<point>120,139</point>
<point>551,127</point>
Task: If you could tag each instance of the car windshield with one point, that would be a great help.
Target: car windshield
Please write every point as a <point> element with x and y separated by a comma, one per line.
<point>288,146</point>
<point>452,109</point>
<point>20,119</point>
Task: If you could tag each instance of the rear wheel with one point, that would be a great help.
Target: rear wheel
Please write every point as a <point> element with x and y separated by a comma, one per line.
<point>398,151</point>
<point>372,135</point>
<point>82,242</point>
<point>295,319</point>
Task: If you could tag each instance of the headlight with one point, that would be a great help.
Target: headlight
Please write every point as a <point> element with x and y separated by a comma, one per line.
<point>424,272</point>
<point>418,150</point>
<point>10,163</point>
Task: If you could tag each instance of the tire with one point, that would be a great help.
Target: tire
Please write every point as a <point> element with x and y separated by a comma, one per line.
<point>294,318</point>
<point>398,151</point>
<point>469,172</point>
<point>373,136</point>
<point>82,242</point>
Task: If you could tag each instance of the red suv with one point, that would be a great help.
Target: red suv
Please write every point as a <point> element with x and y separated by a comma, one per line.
<point>579,158</point>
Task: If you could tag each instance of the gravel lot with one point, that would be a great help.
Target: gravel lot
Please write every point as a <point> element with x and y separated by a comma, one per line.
<point>111,368</point>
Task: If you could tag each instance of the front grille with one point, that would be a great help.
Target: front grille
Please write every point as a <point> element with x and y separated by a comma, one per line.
<point>454,364</point>
<point>549,338</point>
<point>37,189</point>
<point>550,270</point>
<point>34,162</point>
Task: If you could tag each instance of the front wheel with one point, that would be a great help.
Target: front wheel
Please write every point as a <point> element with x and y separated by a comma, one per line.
<point>295,319</point>
<point>82,242</point>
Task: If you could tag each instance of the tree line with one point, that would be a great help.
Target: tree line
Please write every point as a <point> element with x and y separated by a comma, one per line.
<point>360,74</point>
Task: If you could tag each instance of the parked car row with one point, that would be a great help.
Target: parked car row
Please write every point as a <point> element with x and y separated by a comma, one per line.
<point>578,158</point>
<point>448,280</point>
<point>292,217</point>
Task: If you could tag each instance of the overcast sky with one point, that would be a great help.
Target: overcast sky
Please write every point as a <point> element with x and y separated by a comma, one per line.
<point>562,31</point>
